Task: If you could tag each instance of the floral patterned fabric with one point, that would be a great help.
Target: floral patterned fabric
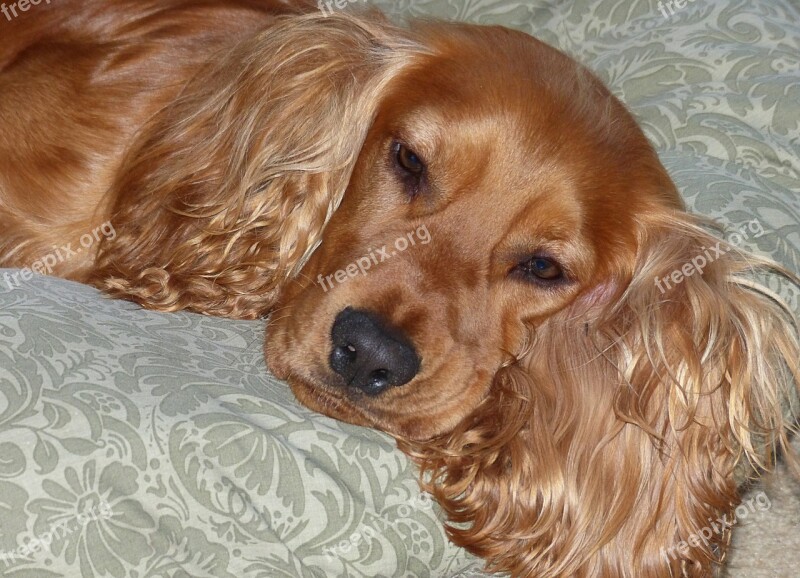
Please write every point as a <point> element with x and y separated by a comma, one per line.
<point>134,443</point>
<point>141,444</point>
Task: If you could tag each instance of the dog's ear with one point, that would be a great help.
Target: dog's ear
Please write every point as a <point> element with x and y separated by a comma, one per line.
<point>614,447</point>
<point>228,189</point>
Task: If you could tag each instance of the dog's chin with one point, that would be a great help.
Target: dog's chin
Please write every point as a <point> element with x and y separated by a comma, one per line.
<point>326,400</point>
<point>352,407</point>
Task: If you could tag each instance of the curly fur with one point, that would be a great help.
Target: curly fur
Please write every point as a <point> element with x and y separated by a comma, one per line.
<point>600,458</point>
<point>228,190</point>
<point>224,191</point>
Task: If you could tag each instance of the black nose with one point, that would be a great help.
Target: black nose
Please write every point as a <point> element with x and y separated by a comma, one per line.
<point>369,354</point>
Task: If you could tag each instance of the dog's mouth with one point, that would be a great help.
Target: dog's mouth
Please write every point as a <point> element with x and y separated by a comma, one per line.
<point>333,401</point>
<point>322,390</point>
<point>330,396</point>
<point>412,412</point>
<point>319,388</point>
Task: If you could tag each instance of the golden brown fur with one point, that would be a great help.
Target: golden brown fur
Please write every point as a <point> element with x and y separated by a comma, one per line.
<point>244,149</point>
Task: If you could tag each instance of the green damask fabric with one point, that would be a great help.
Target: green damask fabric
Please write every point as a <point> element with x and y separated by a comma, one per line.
<point>141,444</point>
<point>184,457</point>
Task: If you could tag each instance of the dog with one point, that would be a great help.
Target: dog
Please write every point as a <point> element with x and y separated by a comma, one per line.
<point>460,236</point>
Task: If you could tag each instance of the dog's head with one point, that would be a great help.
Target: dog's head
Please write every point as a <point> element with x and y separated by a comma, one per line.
<point>499,184</point>
<point>466,241</point>
<point>511,286</point>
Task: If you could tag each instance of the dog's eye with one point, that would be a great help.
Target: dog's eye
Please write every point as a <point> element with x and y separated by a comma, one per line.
<point>408,160</point>
<point>541,268</point>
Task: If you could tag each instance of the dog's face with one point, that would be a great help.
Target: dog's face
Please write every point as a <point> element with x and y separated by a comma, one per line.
<point>493,189</point>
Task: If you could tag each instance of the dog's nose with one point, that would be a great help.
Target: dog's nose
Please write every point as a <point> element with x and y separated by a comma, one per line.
<point>369,354</point>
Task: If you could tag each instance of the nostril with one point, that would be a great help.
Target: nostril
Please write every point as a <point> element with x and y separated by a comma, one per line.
<point>379,378</point>
<point>378,381</point>
<point>348,352</point>
<point>343,357</point>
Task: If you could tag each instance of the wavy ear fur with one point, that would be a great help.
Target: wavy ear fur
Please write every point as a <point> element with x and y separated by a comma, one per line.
<point>227,191</point>
<point>615,445</point>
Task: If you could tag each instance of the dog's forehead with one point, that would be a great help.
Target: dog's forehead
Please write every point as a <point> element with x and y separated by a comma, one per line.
<point>492,90</point>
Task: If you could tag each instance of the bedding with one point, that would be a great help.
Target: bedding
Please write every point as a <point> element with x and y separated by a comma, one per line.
<point>135,443</point>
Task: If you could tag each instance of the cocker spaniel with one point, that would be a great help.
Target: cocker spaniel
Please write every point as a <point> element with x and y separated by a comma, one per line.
<point>464,240</point>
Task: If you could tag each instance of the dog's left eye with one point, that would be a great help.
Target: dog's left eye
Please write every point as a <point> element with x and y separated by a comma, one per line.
<point>540,268</point>
<point>410,168</point>
<point>408,160</point>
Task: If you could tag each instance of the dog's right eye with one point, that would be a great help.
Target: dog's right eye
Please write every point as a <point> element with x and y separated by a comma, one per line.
<point>543,269</point>
<point>408,160</point>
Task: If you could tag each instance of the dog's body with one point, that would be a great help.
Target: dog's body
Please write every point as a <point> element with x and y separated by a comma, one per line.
<point>102,70</point>
<point>576,419</point>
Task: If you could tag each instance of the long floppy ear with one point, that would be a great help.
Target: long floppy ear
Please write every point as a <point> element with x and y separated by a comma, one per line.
<point>227,191</point>
<point>614,447</point>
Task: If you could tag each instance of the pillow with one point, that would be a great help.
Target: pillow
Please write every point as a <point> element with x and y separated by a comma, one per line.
<point>141,443</point>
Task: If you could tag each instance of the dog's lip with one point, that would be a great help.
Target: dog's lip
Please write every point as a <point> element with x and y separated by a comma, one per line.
<point>338,388</point>
<point>336,402</point>
<point>332,393</point>
<point>333,387</point>
<point>343,404</point>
